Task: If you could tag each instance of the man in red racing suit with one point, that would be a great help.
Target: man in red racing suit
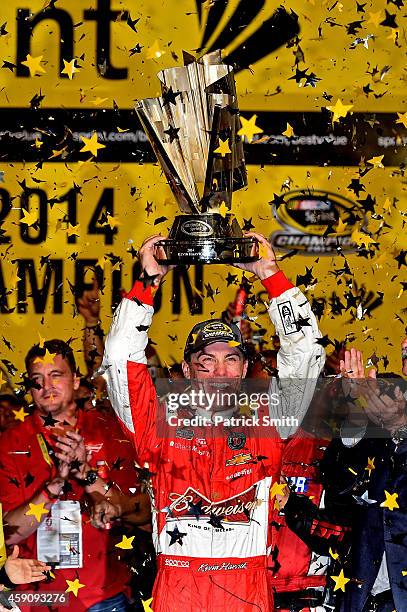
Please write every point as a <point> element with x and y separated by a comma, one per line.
<point>210,514</point>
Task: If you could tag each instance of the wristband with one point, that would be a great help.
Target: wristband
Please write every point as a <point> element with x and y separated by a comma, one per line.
<point>51,496</point>
<point>276,284</point>
<point>5,580</point>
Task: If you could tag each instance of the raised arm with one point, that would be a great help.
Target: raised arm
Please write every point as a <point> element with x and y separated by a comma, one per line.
<point>130,388</point>
<point>300,359</point>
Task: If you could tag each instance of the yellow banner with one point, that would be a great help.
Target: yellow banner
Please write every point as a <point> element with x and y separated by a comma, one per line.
<point>46,273</point>
<point>105,54</point>
<point>119,46</point>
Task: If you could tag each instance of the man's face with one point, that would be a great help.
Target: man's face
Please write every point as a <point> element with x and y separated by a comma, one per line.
<point>7,414</point>
<point>57,385</point>
<point>217,360</point>
<point>219,366</point>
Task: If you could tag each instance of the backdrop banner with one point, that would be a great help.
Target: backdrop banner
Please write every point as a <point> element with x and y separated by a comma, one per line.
<point>321,84</point>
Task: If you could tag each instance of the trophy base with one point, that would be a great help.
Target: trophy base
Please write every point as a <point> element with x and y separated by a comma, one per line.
<point>208,238</point>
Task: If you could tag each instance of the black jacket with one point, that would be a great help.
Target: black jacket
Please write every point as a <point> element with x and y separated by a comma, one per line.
<point>375,529</point>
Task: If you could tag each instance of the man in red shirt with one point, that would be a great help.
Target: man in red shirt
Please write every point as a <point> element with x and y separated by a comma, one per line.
<point>52,492</point>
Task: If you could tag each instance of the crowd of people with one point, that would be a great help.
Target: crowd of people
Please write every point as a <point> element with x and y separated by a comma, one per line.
<point>103,500</point>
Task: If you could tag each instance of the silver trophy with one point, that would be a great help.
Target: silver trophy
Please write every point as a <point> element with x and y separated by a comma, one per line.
<point>193,131</point>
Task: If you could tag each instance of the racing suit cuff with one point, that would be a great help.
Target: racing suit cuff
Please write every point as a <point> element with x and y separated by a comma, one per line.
<point>141,293</point>
<point>276,284</point>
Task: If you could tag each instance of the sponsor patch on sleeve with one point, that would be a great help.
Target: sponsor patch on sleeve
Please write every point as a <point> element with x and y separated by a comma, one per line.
<point>287,317</point>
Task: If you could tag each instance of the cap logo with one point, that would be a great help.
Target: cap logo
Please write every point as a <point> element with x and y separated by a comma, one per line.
<point>217,326</point>
<point>216,329</point>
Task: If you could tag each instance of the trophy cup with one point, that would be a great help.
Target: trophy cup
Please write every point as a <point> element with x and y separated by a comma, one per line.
<point>193,131</point>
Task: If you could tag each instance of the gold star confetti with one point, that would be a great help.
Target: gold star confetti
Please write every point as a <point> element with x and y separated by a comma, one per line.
<point>370,465</point>
<point>223,209</point>
<point>402,118</point>
<point>147,604</point>
<point>37,510</point>
<point>37,144</point>
<point>70,68</point>
<point>99,101</point>
<point>112,222</point>
<point>20,415</point>
<point>333,554</point>
<point>2,380</point>
<point>91,144</point>
<point>340,227</point>
<point>199,292</point>
<point>362,239</point>
<point>394,34</point>
<point>48,358</point>
<point>223,147</point>
<point>73,586</point>
<point>391,501</point>
<point>278,488</point>
<point>101,262</point>
<point>154,52</point>
<point>244,409</point>
<point>376,162</point>
<point>233,343</point>
<point>289,132</point>
<point>387,205</point>
<point>126,543</point>
<point>375,18</point>
<point>249,128</point>
<point>34,65</point>
<point>72,230</point>
<point>14,278</point>
<point>57,152</point>
<point>29,218</point>
<point>340,581</point>
<point>339,110</point>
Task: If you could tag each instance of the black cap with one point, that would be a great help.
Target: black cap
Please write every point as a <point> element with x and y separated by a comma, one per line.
<point>211,331</point>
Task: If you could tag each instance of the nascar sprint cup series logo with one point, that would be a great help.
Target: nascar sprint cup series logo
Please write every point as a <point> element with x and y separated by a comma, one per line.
<point>316,223</point>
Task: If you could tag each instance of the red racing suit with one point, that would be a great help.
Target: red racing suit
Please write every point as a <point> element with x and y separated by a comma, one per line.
<point>293,565</point>
<point>210,515</point>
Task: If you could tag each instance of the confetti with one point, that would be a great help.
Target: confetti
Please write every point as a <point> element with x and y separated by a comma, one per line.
<point>69,68</point>
<point>340,581</point>
<point>91,144</point>
<point>391,501</point>
<point>249,128</point>
<point>74,586</point>
<point>34,65</point>
<point>126,543</point>
<point>339,110</point>
<point>37,510</point>
<point>223,148</point>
